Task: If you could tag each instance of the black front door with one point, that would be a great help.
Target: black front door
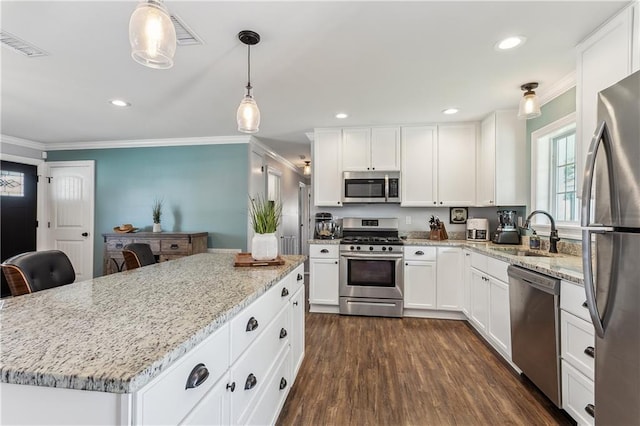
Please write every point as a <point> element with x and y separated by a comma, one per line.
<point>18,202</point>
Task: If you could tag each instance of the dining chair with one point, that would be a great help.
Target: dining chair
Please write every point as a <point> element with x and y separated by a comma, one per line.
<point>37,270</point>
<point>137,255</point>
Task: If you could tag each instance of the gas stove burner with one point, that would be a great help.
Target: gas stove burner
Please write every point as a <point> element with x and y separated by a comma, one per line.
<point>372,240</point>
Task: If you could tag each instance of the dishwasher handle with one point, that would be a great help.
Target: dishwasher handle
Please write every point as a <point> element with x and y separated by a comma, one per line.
<point>539,281</point>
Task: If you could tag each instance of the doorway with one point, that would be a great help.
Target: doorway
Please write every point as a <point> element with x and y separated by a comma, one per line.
<point>18,216</point>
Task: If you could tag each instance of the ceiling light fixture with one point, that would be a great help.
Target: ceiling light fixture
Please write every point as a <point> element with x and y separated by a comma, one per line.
<point>152,35</point>
<point>450,111</point>
<point>529,104</point>
<point>306,169</point>
<point>510,43</point>
<point>119,103</point>
<point>248,115</point>
<point>341,115</point>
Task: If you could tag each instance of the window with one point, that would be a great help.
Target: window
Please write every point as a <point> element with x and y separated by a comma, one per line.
<point>11,184</point>
<point>554,176</point>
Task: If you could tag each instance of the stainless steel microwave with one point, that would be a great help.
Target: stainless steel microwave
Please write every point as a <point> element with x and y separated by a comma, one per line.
<point>371,187</point>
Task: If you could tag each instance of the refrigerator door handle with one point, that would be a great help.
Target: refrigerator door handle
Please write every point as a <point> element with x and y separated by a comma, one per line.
<point>589,169</point>
<point>589,287</point>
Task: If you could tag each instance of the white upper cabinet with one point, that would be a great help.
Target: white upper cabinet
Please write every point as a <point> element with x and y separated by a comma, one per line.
<point>501,176</point>
<point>457,164</point>
<point>327,167</point>
<point>368,149</point>
<point>604,58</point>
<point>419,174</point>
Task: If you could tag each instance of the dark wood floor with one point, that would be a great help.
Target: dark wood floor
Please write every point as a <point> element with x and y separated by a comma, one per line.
<point>387,371</point>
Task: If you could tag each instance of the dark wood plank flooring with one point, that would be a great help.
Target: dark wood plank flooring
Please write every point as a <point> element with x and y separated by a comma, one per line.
<point>388,371</point>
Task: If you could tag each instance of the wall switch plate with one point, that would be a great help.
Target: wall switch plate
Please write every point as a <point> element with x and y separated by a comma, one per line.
<point>407,220</point>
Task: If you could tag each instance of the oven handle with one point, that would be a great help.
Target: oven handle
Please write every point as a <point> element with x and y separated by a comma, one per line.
<point>371,256</point>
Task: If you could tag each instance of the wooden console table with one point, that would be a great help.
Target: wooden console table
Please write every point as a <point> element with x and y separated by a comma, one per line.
<point>165,246</point>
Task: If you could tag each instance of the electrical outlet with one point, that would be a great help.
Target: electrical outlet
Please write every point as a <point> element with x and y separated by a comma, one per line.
<point>407,220</point>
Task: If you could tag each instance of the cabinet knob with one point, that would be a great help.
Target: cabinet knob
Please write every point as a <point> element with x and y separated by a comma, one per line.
<point>590,351</point>
<point>591,410</point>
<point>285,292</point>
<point>584,305</point>
<point>197,376</point>
<point>85,234</point>
<point>406,264</point>
<point>295,303</point>
<point>435,202</point>
<point>336,262</point>
<point>283,383</point>
<point>231,386</point>
<point>283,333</point>
<point>440,202</point>
<point>251,382</point>
<point>322,251</point>
<point>252,324</point>
<point>300,277</point>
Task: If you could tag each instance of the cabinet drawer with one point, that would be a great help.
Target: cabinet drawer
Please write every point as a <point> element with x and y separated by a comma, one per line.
<point>274,393</point>
<point>324,250</point>
<point>573,299</point>
<point>250,372</point>
<point>155,244</point>
<point>577,394</point>
<point>166,399</point>
<point>294,280</point>
<point>479,261</point>
<point>175,246</point>
<point>420,253</point>
<point>498,269</point>
<point>578,340</point>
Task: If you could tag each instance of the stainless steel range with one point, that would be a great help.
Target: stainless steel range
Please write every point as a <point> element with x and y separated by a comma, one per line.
<point>371,273</point>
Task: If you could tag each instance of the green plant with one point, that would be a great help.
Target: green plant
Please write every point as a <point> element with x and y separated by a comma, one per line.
<point>265,215</point>
<point>157,210</point>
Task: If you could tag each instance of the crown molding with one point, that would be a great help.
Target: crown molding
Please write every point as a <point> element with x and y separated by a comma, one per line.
<point>147,143</point>
<point>557,88</point>
<point>12,140</point>
<point>310,136</point>
<point>270,152</point>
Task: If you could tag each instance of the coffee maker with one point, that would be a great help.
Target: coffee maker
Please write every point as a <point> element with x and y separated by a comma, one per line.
<point>326,227</point>
<point>507,232</point>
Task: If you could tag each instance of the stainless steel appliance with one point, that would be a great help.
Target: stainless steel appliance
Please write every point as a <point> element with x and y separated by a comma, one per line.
<point>613,291</point>
<point>534,302</point>
<point>371,272</point>
<point>507,232</point>
<point>371,187</point>
<point>326,227</point>
<point>477,229</point>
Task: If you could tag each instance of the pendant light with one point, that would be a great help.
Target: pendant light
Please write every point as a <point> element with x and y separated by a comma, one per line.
<point>248,115</point>
<point>152,35</point>
<point>306,169</point>
<point>529,104</point>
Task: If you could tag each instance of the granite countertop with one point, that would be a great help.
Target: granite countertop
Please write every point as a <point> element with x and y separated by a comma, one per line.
<point>564,266</point>
<point>116,333</point>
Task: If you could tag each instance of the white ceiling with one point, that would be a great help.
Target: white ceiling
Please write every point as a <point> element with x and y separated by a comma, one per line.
<point>381,62</point>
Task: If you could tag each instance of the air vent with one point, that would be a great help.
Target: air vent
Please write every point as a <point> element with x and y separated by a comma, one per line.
<point>184,35</point>
<point>20,46</point>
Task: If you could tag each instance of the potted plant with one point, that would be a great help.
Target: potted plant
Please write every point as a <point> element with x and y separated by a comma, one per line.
<point>265,218</point>
<point>157,213</point>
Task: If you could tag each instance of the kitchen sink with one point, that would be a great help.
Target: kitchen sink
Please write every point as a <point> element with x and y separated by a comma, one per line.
<point>520,252</point>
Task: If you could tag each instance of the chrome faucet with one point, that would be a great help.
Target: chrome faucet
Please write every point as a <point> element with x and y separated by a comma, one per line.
<point>553,236</point>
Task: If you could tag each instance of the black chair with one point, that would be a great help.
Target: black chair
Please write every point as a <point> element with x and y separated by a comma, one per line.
<point>137,255</point>
<point>37,270</point>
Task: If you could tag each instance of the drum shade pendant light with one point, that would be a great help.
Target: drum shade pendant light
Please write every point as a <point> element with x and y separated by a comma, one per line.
<point>152,35</point>
<point>248,115</point>
<point>529,104</point>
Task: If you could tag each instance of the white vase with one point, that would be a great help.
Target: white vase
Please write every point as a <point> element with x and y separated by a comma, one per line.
<point>157,227</point>
<point>264,246</point>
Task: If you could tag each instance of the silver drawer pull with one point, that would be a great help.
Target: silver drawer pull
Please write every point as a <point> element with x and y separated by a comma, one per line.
<point>252,324</point>
<point>197,376</point>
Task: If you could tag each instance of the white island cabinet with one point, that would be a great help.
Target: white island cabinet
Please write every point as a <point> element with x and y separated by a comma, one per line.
<point>224,348</point>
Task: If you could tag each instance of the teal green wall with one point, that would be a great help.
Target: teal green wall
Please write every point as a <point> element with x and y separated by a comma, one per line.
<point>553,110</point>
<point>204,189</point>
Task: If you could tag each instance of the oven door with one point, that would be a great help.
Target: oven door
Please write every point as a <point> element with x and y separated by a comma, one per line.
<point>371,275</point>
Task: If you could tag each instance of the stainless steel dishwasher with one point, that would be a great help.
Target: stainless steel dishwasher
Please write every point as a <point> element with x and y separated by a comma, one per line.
<point>534,301</point>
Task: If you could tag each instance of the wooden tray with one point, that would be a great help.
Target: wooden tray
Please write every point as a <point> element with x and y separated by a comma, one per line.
<point>245,259</point>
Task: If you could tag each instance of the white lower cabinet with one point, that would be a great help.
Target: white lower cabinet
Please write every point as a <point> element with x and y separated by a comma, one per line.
<point>499,316</point>
<point>323,278</point>
<point>274,394</point>
<point>419,284</point>
<point>577,395</point>
<point>449,279</point>
<point>213,409</point>
<point>466,283</point>
<point>479,300</point>
<point>297,332</point>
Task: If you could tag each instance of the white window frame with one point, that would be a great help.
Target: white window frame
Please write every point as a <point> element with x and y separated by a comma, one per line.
<point>567,230</point>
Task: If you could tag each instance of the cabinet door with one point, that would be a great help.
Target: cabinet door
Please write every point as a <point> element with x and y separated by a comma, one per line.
<point>213,409</point>
<point>479,299</point>
<point>418,171</point>
<point>297,331</point>
<point>466,284</point>
<point>449,278</point>
<point>499,316</point>
<point>323,281</point>
<point>457,164</point>
<point>356,149</point>
<point>511,179</point>
<point>327,167</point>
<point>486,173</point>
<point>603,59</point>
<point>420,285</point>
<point>385,148</point>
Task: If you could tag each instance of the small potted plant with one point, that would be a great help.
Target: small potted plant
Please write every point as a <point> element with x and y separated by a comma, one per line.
<point>265,218</point>
<point>157,213</point>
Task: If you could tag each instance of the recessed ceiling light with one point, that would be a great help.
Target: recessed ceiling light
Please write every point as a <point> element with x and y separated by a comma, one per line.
<point>510,42</point>
<point>341,115</point>
<point>119,103</point>
<point>450,111</point>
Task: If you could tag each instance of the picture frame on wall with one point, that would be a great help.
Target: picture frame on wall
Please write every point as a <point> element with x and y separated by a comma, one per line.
<point>458,215</point>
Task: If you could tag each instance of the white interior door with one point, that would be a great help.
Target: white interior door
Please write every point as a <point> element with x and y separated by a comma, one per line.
<point>71,196</point>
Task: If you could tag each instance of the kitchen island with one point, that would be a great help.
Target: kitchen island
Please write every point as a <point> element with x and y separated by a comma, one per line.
<point>108,340</point>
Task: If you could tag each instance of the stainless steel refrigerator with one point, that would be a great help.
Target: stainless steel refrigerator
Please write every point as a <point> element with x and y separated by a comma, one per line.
<point>612,267</point>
